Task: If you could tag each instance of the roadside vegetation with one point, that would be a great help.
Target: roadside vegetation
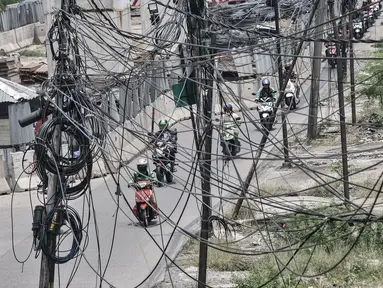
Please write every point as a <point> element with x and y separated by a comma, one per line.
<point>4,3</point>
<point>338,254</point>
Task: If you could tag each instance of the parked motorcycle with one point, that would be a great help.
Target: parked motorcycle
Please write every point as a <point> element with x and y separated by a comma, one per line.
<point>366,20</point>
<point>376,9</point>
<point>371,17</point>
<point>265,111</point>
<point>358,31</point>
<point>145,209</point>
<point>331,54</point>
<point>161,159</point>
<point>229,145</point>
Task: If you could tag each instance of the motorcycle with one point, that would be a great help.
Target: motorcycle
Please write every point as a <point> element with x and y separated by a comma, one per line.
<point>366,21</point>
<point>358,32</point>
<point>161,159</point>
<point>331,54</point>
<point>291,100</point>
<point>265,111</point>
<point>229,145</point>
<point>371,17</point>
<point>376,10</point>
<point>144,209</point>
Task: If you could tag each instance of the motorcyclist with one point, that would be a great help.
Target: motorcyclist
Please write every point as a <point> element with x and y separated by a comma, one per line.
<point>143,173</point>
<point>365,6</point>
<point>293,75</point>
<point>329,44</point>
<point>230,117</point>
<point>266,91</point>
<point>292,80</point>
<point>357,15</point>
<point>164,128</point>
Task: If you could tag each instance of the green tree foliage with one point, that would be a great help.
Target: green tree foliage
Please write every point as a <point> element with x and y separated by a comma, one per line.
<point>372,78</point>
<point>4,3</point>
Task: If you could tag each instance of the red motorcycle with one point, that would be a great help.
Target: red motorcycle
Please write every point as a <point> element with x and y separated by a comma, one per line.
<point>145,209</point>
<point>331,54</point>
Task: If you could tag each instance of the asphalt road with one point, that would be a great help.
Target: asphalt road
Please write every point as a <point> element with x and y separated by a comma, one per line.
<point>134,252</point>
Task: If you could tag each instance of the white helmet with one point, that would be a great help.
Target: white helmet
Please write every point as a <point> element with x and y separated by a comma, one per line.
<point>142,165</point>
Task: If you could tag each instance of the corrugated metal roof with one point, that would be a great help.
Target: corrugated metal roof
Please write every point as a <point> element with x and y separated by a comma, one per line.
<point>43,69</point>
<point>13,92</point>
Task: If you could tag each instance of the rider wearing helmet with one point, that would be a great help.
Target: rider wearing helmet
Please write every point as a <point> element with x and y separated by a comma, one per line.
<point>142,173</point>
<point>292,81</point>
<point>293,76</point>
<point>164,128</point>
<point>230,116</point>
<point>266,91</point>
<point>329,44</point>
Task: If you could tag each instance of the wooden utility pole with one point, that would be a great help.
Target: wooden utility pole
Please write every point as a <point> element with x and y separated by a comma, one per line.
<point>343,132</point>
<point>351,8</point>
<point>253,168</point>
<point>280,74</point>
<point>312,129</point>
<point>47,268</point>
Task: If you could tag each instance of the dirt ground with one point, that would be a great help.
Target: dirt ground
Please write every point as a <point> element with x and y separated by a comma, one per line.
<point>320,162</point>
<point>315,162</point>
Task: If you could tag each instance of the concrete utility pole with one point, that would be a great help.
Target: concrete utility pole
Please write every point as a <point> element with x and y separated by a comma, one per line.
<point>197,7</point>
<point>312,129</point>
<point>47,268</point>
<point>280,76</point>
<point>249,177</point>
<point>206,174</point>
<point>343,132</point>
<point>351,8</point>
<point>344,44</point>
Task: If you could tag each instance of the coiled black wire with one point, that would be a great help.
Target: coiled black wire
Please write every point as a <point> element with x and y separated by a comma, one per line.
<point>73,220</point>
<point>63,165</point>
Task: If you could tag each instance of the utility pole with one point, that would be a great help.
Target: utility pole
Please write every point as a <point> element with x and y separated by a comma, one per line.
<point>312,129</point>
<point>206,174</point>
<point>351,8</point>
<point>280,74</point>
<point>343,132</point>
<point>344,44</point>
<point>249,177</point>
<point>47,268</point>
<point>195,27</point>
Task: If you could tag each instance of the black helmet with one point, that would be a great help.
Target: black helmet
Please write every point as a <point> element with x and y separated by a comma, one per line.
<point>163,124</point>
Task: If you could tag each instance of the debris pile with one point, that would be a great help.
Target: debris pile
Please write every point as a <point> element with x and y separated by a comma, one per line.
<point>33,72</point>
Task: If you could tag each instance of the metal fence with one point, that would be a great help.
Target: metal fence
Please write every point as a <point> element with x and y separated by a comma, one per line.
<point>140,91</point>
<point>19,15</point>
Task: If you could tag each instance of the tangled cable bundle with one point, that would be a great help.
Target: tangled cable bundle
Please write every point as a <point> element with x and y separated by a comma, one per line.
<point>86,117</point>
<point>51,160</point>
<point>62,217</point>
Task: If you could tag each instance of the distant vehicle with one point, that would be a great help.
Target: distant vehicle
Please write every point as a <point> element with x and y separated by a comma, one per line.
<point>225,3</point>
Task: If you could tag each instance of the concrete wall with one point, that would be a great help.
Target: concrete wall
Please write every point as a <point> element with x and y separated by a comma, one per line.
<point>21,37</point>
<point>21,14</point>
<point>4,187</point>
<point>5,137</point>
